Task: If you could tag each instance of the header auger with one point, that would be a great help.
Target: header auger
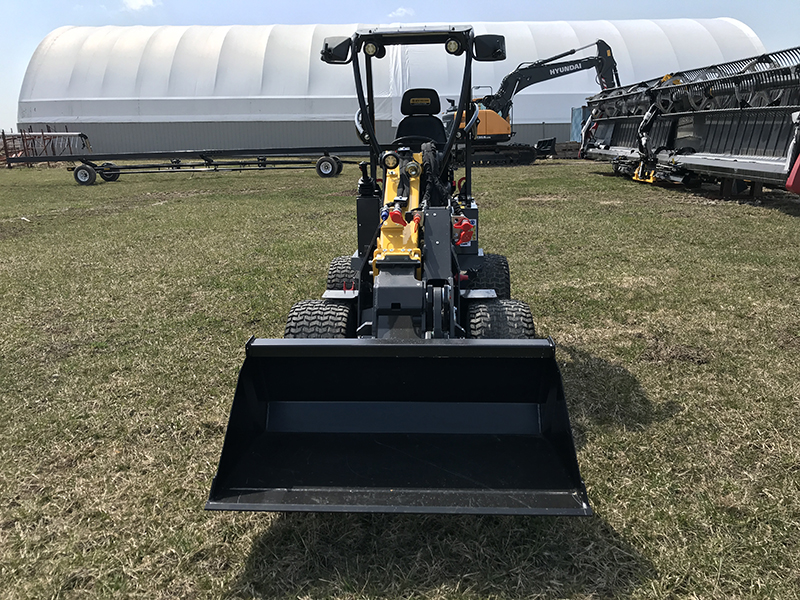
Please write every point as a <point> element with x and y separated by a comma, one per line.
<point>736,123</point>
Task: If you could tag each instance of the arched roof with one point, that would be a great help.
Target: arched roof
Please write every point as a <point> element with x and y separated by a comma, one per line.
<point>274,72</point>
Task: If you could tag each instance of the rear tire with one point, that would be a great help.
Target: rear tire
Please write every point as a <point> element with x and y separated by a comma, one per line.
<point>341,275</point>
<point>493,275</point>
<point>321,319</point>
<point>499,319</point>
<point>339,164</point>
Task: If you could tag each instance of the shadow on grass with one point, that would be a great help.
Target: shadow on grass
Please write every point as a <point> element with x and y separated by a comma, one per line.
<point>772,198</point>
<point>437,556</point>
<point>605,395</point>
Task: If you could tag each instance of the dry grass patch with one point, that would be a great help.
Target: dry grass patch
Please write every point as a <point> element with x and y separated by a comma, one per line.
<point>124,309</point>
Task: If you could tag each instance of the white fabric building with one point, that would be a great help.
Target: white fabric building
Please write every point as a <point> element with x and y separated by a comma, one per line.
<point>140,89</point>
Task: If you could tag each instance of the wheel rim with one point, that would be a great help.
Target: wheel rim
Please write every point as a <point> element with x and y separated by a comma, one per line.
<point>326,167</point>
<point>82,175</point>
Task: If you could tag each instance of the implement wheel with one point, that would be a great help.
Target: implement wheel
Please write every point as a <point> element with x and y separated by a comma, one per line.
<point>109,174</point>
<point>321,319</point>
<point>327,166</point>
<point>499,319</point>
<point>493,275</point>
<point>84,175</point>
<point>341,275</point>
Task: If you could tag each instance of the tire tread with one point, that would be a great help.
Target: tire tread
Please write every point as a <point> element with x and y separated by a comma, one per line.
<point>500,319</point>
<point>320,319</point>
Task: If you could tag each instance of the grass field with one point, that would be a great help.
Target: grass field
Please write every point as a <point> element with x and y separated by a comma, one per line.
<point>124,309</point>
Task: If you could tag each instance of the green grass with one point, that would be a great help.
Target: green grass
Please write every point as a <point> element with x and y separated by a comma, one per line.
<point>124,308</point>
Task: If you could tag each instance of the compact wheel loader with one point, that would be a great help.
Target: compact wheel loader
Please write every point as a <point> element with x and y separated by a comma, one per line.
<point>415,384</point>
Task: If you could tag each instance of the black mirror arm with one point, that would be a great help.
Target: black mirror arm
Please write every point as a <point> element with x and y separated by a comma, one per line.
<point>365,109</point>
<point>463,98</point>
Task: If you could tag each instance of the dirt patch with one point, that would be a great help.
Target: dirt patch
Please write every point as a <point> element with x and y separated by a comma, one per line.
<point>345,193</point>
<point>788,339</point>
<point>12,229</point>
<point>634,283</point>
<point>26,224</point>
<point>174,195</point>
<point>661,351</point>
<point>540,199</point>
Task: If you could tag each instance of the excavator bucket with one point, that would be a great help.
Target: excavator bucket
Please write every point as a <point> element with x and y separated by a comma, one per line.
<point>428,426</point>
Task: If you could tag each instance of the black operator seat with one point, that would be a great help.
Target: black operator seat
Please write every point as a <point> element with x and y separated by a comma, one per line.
<point>420,107</point>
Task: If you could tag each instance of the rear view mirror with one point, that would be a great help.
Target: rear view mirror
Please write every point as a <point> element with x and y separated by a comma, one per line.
<point>489,47</point>
<point>336,50</point>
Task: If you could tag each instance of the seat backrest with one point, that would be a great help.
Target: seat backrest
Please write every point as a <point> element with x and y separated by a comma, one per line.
<point>420,101</point>
<point>420,107</point>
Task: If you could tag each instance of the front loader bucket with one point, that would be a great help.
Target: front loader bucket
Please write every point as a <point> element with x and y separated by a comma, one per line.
<point>428,426</point>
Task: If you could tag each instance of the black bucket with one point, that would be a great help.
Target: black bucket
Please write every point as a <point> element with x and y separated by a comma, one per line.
<point>429,426</point>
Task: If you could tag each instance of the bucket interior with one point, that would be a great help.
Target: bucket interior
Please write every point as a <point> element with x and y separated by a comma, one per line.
<point>329,427</point>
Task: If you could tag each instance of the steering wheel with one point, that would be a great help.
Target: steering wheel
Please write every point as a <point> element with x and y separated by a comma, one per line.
<point>412,139</point>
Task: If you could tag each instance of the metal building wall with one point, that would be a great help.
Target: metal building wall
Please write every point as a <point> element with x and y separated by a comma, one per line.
<point>161,89</point>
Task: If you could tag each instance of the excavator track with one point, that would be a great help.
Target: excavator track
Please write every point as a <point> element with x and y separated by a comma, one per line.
<point>507,155</point>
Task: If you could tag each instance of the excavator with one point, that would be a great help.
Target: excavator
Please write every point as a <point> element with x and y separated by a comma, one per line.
<point>494,110</point>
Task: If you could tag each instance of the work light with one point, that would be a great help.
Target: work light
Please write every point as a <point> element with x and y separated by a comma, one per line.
<point>373,49</point>
<point>453,46</point>
<point>390,160</point>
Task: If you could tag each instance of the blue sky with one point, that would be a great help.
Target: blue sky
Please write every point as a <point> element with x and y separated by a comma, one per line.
<point>25,24</point>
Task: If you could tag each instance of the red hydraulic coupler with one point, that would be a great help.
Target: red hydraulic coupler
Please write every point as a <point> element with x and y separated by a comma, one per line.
<point>397,217</point>
<point>465,228</point>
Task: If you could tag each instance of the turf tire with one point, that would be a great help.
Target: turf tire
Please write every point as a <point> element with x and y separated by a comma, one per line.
<point>493,275</point>
<point>499,319</point>
<point>341,275</point>
<point>321,319</point>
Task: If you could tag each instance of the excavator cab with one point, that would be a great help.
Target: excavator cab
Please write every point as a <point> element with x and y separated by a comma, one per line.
<point>416,384</point>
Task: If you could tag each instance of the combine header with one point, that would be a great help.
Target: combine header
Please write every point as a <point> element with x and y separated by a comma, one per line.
<point>736,123</point>
<point>415,384</point>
